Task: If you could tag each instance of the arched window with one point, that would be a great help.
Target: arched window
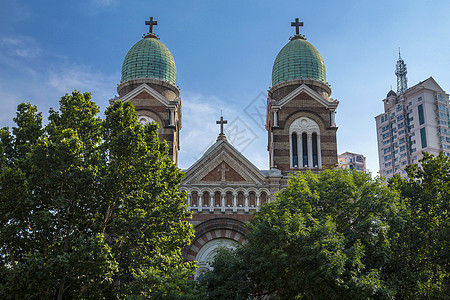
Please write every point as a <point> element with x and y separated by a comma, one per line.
<point>205,199</point>
<point>240,199</point>
<point>305,149</point>
<point>229,199</point>
<point>217,199</point>
<point>194,199</point>
<point>252,198</point>
<point>263,198</point>
<point>305,153</point>
<point>294,150</point>
<point>314,150</point>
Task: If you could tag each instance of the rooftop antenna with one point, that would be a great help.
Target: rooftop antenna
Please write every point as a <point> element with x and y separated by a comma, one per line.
<point>400,72</point>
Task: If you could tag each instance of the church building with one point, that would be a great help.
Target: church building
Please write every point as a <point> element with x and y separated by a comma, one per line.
<point>223,187</point>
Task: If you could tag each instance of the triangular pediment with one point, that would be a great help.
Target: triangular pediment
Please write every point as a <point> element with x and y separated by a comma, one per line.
<point>430,83</point>
<point>223,164</point>
<point>144,90</point>
<point>310,93</point>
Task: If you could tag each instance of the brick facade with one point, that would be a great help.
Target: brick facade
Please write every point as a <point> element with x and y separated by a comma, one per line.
<point>290,102</point>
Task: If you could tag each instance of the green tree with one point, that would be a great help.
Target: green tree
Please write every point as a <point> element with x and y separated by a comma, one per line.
<point>422,248</point>
<point>87,204</point>
<point>326,236</point>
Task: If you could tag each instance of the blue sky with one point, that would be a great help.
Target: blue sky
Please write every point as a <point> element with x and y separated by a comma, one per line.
<point>224,52</point>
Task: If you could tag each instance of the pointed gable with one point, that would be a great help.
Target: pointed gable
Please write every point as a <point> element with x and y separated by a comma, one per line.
<point>305,92</point>
<point>222,163</point>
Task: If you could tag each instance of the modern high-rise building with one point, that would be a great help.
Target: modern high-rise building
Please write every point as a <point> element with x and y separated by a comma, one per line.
<point>415,119</point>
<point>352,161</point>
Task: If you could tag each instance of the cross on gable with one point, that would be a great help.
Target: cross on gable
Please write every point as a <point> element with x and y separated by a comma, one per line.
<point>297,25</point>
<point>221,122</point>
<point>151,23</point>
<point>223,170</point>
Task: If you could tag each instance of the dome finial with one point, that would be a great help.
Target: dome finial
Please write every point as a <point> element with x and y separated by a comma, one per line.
<point>297,24</point>
<point>151,23</point>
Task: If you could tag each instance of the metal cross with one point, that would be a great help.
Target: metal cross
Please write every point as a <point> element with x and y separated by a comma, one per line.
<point>151,23</point>
<point>297,24</point>
<point>223,170</point>
<point>221,122</point>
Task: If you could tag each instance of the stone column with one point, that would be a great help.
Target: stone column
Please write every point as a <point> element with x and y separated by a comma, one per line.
<point>234,202</point>
<point>211,202</point>
<point>222,196</point>
<point>246,202</point>
<point>310,152</point>
<point>257,201</point>
<point>300,150</point>
<point>333,118</point>
<point>171,114</point>
<point>319,153</point>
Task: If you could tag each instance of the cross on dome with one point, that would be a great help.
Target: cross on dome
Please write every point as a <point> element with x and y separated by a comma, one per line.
<point>297,25</point>
<point>151,23</point>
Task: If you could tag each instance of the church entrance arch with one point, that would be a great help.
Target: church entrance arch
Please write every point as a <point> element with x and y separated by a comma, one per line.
<point>208,251</point>
<point>209,236</point>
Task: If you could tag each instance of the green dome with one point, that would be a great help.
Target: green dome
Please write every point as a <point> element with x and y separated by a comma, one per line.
<point>149,58</point>
<point>298,60</point>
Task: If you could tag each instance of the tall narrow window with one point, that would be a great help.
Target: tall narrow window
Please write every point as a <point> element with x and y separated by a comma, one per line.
<point>314,150</point>
<point>305,149</point>
<point>423,137</point>
<point>421,118</point>
<point>294,150</point>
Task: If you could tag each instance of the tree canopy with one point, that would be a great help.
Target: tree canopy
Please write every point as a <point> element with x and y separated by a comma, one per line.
<point>345,235</point>
<point>88,206</point>
<point>326,236</point>
<point>421,266</point>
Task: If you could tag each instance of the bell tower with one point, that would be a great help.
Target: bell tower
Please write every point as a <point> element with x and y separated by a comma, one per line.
<point>149,82</point>
<point>300,117</point>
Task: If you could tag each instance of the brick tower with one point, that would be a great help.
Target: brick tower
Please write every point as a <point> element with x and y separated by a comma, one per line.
<point>300,117</point>
<point>149,82</point>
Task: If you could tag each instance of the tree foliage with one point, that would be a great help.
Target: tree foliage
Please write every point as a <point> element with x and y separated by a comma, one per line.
<point>422,249</point>
<point>87,205</point>
<point>326,236</point>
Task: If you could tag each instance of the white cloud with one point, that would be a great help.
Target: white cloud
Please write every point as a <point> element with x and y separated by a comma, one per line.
<point>200,131</point>
<point>22,46</point>
<point>66,78</point>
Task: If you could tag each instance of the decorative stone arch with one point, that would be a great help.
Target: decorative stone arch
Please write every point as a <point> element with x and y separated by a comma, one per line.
<point>208,251</point>
<point>207,189</point>
<point>304,141</point>
<point>321,122</point>
<point>209,235</point>
<point>145,120</point>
